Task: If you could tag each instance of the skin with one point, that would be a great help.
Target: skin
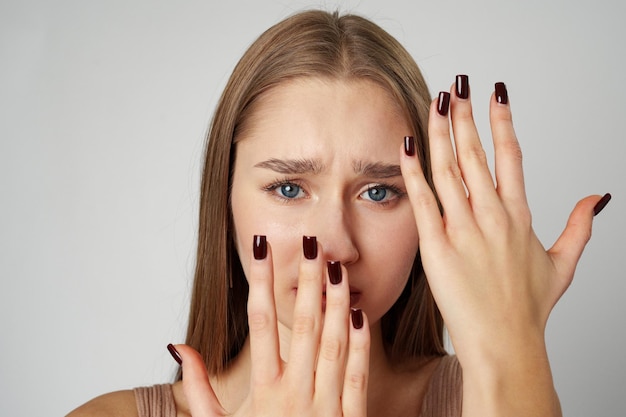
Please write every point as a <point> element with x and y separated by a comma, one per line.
<point>348,132</point>
<point>341,129</point>
<point>492,279</point>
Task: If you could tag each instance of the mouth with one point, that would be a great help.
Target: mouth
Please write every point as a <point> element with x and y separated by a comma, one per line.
<point>355,297</point>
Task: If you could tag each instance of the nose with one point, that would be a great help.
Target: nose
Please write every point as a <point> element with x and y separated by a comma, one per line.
<point>333,227</point>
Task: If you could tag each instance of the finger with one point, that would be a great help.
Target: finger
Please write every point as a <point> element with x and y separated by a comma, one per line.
<point>354,398</point>
<point>568,248</point>
<point>264,345</point>
<point>198,391</point>
<point>470,154</point>
<point>334,342</point>
<point>425,208</point>
<point>307,317</point>
<point>508,153</point>
<point>446,172</point>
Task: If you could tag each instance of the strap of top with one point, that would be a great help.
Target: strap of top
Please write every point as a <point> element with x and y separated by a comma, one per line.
<point>155,401</point>
<point>444,395</point>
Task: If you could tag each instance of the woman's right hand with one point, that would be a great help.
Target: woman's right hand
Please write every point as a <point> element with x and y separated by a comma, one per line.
<point>327,370</point>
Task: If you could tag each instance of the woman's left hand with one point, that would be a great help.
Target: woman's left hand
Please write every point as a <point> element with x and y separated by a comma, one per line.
<point>493,281</point>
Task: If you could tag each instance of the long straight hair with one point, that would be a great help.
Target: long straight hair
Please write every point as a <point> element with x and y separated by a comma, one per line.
<point>308,44</point>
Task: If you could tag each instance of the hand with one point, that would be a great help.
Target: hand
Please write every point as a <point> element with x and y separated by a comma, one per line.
<point>492,279</point>
<point>327,370</point>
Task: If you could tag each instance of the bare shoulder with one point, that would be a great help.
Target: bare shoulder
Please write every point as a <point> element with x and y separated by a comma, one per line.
<point>118,404</point>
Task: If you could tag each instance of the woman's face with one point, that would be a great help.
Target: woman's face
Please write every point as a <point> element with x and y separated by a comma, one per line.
<point>321,158</point>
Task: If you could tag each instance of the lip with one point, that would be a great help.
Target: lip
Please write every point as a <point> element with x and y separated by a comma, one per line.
<point>355,296</point>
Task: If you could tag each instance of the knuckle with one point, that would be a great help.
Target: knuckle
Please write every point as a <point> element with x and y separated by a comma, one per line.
<point>257,279</point>
<point>425,200</point>
<point>303,324</point>
<point>258,322</point>
<point>360,348</point>
<point>513,150</point>
<point>505,116</point>
<point>439,130</point>
<point>585,232</point>
<point>308,279</point>
<point>356,381</point>
<point>331,350</point>
<point>476,153</point>
<point>463,114</point>
<point>520,216</point>
<point>524,217</point>
<point>583,236</point>
<point>499,221</point>
<point>451,172</point>
<point>309,274</point>
<point>336,301</point>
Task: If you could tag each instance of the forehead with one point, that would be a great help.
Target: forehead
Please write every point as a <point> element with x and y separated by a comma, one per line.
<point>313,115</point>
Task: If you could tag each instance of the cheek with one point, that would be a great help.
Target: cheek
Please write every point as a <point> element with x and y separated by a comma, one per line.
<point>252,217</point>
<point>244,222</point>
<point>392,245</point>
<point>394,237</point>
<point>400,253</point>
<point>403,244</point>
<point>284,235</point>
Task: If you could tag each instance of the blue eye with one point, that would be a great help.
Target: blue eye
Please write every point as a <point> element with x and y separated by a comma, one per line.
<point>290,190</point>
<point>285,190</point>
<point>377,193</point>
<point>382,194</point>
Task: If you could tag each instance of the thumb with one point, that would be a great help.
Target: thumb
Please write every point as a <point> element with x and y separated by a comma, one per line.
<point>568,248</point>
<point>200,396</point>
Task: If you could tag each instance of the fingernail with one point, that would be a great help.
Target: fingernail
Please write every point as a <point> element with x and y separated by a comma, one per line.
<point>259,247</point>
<point>443,103</point>
<point>309,247</point>
<point>600,205</point>
<point>334,272</point>
<point>462,86</point>
<point>175,354</point>
<point>409,145</point>
<point>357,317</point>
<point>502,96</point>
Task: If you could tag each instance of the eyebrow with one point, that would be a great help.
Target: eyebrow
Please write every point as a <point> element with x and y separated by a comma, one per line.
<point>314,166</point>
<point>377,169</point>
<point>292,166</point>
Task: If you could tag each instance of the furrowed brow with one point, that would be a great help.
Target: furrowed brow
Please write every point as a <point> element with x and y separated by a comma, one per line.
<point>377,169</point>
<point>292,166</point>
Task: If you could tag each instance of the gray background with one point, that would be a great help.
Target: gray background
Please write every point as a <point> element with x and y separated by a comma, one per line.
<point>103,108</point>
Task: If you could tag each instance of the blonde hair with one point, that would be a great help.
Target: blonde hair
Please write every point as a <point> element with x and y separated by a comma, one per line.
<point>308,44</point>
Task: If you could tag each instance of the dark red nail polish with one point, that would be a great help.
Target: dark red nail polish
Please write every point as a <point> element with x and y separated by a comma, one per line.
<point>600,205</point>
<point>462,86</point>
<point>309,247</point>
<point>502,96</point>
<point>409,145</point>
<point>443,103</point>
<point>175,354</point>
<point>334,272</point>
<point>357,317</point>
<point>259,247</point>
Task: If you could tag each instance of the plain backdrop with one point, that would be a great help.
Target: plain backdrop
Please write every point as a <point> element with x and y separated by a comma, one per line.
<point>103,110</point>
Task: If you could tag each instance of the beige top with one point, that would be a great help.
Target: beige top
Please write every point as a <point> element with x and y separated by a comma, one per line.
<point>443,397</point>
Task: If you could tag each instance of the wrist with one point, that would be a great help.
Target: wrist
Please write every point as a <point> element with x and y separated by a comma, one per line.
<point>512,379</point>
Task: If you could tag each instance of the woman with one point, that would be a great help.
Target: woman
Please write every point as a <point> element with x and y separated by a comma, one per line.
<point>325,269</point>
